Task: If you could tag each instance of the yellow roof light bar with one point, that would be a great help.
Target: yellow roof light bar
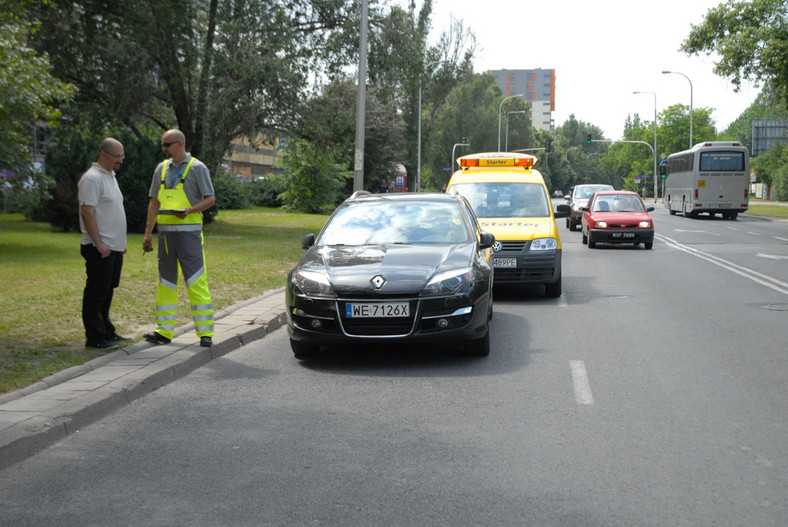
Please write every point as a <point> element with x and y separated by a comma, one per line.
<point>497,159</point>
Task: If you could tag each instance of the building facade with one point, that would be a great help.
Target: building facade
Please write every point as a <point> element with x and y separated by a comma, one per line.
<point>537,88</point>
<point>767,134</point>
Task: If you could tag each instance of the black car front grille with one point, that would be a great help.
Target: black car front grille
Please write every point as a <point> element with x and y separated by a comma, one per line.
<point>377,326</point>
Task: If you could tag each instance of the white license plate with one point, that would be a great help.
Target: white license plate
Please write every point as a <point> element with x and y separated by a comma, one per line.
<point>504,262</point>
<point>377,310</point>
<point>623,235</point>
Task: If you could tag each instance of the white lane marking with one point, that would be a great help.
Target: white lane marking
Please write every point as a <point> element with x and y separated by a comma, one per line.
<point>781,239</point>
<point>704,232</point>
<point>580,382</point>
<point>755,276</point>
<point>753,233</point>
<point>772,256</point>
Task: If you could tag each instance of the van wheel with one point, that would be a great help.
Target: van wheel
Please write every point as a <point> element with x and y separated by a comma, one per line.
<point>553,290</point>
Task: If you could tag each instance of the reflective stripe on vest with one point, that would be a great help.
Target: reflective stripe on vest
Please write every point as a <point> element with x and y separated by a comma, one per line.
<point>175,199</point>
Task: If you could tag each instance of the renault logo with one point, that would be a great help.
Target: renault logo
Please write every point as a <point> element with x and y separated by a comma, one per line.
<point>497,246</point>
<point>378,281</point>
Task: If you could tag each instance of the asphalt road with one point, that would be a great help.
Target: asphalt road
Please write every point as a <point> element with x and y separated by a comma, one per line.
<point>653,392</point>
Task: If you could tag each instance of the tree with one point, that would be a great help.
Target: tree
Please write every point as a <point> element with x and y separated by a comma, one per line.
<point>328,121</point>
<point>751,39</point>
<point>312,177</point>
<point>28,90</point>
<point>215,70</point>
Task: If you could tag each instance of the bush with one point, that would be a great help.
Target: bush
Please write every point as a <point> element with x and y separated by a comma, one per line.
<point>264,192</point>
<point>230,193</point>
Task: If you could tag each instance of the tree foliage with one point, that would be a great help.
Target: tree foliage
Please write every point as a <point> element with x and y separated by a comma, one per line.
<point>28,90</point>
<point>751,39</point>
<point>215,70</point>
<point>312,177</point>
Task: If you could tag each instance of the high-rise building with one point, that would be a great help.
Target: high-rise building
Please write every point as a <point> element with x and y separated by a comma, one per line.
<point>537,88</point>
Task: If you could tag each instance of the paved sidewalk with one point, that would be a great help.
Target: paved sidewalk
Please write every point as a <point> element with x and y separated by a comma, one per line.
<point>41,414</point>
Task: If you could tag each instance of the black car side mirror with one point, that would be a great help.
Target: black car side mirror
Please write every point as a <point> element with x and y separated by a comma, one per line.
<point>486,240</point>
<point>649,209</point>
<point>307,241</point>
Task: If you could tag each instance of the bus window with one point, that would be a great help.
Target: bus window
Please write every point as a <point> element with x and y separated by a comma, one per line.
<point>721,162</point>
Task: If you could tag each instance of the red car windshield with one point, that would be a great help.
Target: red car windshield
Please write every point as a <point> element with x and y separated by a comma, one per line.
<point>618,203</point>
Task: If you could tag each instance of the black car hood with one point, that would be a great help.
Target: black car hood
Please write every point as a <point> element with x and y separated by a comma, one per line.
<point>405,268</point>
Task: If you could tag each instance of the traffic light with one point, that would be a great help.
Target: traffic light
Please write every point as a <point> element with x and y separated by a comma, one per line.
<point>663,170</point>
<point>548,145</point>
<point>588,141</point>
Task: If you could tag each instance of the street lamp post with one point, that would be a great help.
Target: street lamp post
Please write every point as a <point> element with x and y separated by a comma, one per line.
<point>465,142</point>
<point>691,110</point>
<point>655,138</point>
<point>500,107</point>
<point>417,186</point>
<point>507,126</point>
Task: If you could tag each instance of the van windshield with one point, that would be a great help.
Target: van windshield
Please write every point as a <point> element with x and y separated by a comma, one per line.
<point>506,200</point>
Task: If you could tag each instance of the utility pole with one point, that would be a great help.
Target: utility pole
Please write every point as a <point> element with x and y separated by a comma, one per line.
<point>361,105</point>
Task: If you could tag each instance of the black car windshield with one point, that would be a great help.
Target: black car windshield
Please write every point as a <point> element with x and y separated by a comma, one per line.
<point>383,221</point>
<point>618,203</point>
<point>506,200</point>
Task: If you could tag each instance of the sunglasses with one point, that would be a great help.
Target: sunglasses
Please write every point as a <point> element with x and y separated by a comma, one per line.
<point>167,145</point>
<point>120,157</point>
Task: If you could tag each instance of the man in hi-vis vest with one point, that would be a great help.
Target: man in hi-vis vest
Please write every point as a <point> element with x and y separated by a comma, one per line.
<point>180,191</point>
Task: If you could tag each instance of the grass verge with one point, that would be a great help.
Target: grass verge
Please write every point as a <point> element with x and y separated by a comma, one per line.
<point>248,252</point>
<point>764,209</point>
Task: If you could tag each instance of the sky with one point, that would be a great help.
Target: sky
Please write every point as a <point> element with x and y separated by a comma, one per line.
<point>602,51</point>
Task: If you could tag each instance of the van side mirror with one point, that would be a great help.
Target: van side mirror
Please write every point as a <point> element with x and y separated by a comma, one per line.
<point>562,211</point>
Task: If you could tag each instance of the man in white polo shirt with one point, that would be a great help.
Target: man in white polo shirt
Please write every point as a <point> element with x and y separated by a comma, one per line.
<point>102,220</point>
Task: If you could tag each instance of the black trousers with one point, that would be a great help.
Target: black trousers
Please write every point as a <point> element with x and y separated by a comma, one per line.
<point>103,277</point>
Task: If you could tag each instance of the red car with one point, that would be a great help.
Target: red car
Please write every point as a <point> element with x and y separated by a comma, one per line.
<point>617,216</point>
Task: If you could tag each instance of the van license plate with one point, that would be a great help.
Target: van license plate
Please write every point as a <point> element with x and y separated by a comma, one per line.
<point>504,262</point>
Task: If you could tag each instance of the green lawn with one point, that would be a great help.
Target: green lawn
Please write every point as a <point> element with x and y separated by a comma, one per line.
<point>767,209</point>
<point>248,252</point>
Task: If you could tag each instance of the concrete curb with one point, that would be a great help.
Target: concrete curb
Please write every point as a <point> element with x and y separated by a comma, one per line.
<point>39,415</point>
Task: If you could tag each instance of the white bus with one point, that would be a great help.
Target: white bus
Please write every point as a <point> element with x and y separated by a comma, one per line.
<point>711,177</point>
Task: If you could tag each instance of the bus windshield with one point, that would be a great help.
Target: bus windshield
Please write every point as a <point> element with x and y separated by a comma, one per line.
<point>722,161</point>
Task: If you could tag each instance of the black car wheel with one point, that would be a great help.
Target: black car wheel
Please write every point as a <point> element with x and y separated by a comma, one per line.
<point>479,347</point>
<point>304,350</point>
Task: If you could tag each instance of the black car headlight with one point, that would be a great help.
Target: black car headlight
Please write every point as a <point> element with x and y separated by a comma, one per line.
<point>451,282</point>
<point>312,283</point>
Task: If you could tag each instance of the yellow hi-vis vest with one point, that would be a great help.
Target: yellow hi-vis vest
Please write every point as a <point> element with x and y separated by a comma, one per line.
<point>175,199</point>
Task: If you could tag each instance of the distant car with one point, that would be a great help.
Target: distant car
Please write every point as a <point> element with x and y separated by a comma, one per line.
<point>399,267</point>
<point>558,194</point>
<point>617,217</point>
<point>579,199</point>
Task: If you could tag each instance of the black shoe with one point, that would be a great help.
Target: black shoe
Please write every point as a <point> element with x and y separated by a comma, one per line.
<point>117,338</point>
<point>102,345</point>
<point>206,342</point>
<point>156,338</point>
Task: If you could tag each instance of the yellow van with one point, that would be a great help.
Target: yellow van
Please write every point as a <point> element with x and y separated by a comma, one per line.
<point>512,202</point>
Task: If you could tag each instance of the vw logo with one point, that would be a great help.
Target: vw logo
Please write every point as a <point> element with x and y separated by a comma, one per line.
<point>497,246</point>
<point>378,281</point>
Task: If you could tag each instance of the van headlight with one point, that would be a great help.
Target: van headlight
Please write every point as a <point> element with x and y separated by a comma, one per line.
<point>544,244</point>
